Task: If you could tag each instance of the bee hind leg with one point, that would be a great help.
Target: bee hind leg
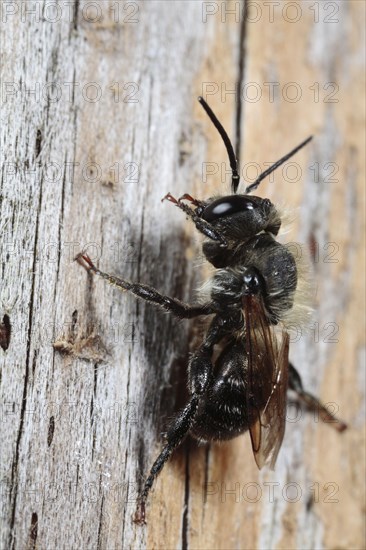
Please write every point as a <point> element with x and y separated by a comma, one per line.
<point>200,379</point>
<point>312,403</point>
<point>175,435</point>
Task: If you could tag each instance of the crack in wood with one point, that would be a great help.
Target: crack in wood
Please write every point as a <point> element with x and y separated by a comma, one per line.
<point>93,397</point>
<point>33,532</point>
<point>5,332</point>
<point>240,80</point>
<point>38,146</point>
<point>207,465</point>
<point>51,430</point>
<point>61,220</point>
<point>185,519</point>
<point>101,516</point>
<point>76,13</point>
<point>14,471</point>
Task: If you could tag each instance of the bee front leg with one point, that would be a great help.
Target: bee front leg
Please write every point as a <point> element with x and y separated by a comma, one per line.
<point>312,403</point>
<point>203,227</point>
<point>178,308</point>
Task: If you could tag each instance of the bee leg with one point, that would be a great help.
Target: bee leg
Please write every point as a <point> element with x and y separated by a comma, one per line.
<point>178,308</point>
<point>180,426</point>
<point>311,402</point>
<point>200,378</point>
<point>203,227</point>
<point>187,197</point>
<point>175,435</point>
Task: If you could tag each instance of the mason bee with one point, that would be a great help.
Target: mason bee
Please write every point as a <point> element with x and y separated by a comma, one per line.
<point>239,375</point>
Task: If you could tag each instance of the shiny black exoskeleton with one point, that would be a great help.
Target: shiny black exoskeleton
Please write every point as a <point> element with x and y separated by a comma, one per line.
<point>252,290</point>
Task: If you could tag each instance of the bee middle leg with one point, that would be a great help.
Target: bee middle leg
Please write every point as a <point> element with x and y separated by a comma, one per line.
<point>311,402</point>
<point>178,308</point>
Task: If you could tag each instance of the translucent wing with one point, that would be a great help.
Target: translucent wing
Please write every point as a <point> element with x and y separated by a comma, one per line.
<point>267,354</point>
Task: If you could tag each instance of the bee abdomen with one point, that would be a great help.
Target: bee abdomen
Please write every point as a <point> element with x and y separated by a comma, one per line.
<point>223,413</point>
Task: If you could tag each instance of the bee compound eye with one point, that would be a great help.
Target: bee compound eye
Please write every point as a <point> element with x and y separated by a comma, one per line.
<point>225,206</point>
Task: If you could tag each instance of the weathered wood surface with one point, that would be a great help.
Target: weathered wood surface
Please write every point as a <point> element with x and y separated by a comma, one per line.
<point>110,124</point>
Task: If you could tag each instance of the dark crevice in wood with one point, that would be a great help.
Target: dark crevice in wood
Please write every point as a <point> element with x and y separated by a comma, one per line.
<point>74,320</point>
<point>92,405</point>
<point>76,13</point>
<point>5,332</point>
<point>124,511</point>
<point>52,69</point>
<point>90,310</point>
<point>207,464</point>
<point>185,521</point>
<point>127,389</point>
<point>61,220</point>
<point>139,255</point>
<point>51,430</point>
<point>34,361</point>
<point>92,399</point>
<point>33,532</point>
<point>75,127</point>
<point>240,81</point>
<point>141,462</point>
<point>94,440</point>
<point>14,472</point>
<point>95,380</point>
<point>124,495</point>
<point>101,515</point>
<point>60,226</point>
<point>140,451</point>
<point>313,246</point>
<point>101,232</point>
<point>309,503</point>
<point>75,112</point>
<point>38,146</point>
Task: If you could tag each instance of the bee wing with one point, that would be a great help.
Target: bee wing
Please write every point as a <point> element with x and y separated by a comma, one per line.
<point>267,353</point>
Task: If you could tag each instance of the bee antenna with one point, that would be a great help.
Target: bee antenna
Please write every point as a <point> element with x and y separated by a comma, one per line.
<point>235,178</point>
<point>276,165</point>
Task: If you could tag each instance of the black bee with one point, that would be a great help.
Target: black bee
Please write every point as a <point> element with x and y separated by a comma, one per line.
<point>239,376</point>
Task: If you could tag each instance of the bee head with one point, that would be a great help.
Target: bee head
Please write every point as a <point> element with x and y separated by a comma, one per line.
<point>240,216</point>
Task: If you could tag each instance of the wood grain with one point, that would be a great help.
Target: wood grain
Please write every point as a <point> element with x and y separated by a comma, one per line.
<point>100,120</point>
